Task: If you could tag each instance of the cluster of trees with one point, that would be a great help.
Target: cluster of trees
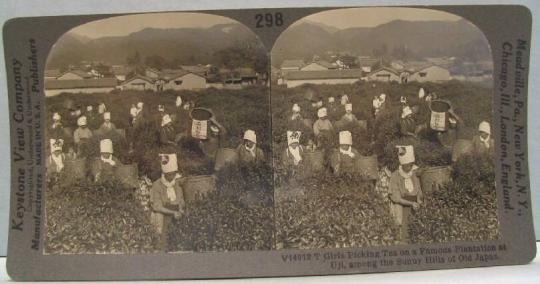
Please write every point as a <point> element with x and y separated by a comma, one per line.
<point>242,54</point>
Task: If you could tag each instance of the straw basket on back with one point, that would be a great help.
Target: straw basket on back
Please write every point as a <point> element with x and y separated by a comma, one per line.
<point>198,187</point>
<point>461,148</point>
<point>314,162</point>
<point>127,175</point>
<point>367,167</point>
<point>225,157</point>
<point>75,170</point>
<point>434,178</point>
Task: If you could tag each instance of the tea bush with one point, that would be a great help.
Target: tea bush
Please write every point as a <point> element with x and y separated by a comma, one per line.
<point>464,210</point>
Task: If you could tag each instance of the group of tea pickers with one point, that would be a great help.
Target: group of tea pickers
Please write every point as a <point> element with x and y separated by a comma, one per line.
<point>327,144</point>
<point>324,143</point>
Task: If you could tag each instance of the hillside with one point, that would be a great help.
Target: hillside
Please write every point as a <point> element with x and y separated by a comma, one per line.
<point>419,38</point>
<point>184,45</point>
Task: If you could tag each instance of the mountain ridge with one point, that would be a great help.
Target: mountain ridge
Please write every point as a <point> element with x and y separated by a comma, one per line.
<point>409,39</point>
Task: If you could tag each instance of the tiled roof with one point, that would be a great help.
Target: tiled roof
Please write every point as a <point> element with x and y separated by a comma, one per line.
<point>293,63</point>
<point>392,70</point>
<point>149,80</point>
<point>120,70</point>
<point>324,74</point>
<point>80,73</point>
<point>52,73</point>
<point>80,83</point>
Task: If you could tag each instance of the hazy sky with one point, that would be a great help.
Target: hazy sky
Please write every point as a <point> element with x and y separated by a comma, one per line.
<point>341,18</point>
<point>123,25</point>
<point>370,17</point>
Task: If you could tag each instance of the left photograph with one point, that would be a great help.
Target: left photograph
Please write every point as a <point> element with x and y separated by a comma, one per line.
<point>158,137</point>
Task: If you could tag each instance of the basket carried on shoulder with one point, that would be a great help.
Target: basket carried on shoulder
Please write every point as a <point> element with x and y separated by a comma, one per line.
<point>198,187</point>
<point>439,114</point>
<point>225,157</point>
<point>368,167</point>
<point>74,170</point>
<point>128,175</point>
<point>433,178</point>
<point>461,147</point>
<point>313,161</point>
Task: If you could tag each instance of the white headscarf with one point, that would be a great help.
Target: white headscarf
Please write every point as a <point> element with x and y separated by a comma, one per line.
<point>407,178</point>
<point>344,99</point>
<point>166,119</point>
<point>295,152</point>
<point>296,112</point>
<point>347,152</point>
<point>486,128</point>
<point>58,160</point>
<point>171,191</point>
<point>101,108</point>
<point>251,149</point>
<point>485,141</point>
<point>133,111</point>
<point>382,98</point>
<point>109,161</point>
<point>178,101</point>
<point>376,103</point>
<point>406,112</point>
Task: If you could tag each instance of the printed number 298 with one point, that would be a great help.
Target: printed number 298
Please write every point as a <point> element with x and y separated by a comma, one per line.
<point>268,20</point>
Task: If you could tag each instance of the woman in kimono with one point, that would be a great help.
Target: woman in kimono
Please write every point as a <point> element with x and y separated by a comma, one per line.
<point>81,137</point>
<point>482,142</point>
<point>407,123</point>
<point>248,152</point>
<point>167,197</point>
<point>167,135</point>
<point>56,161</point>
<point>349,117</point>
<point>344,160</point>
<point>107,128</point>
<point>293,156</point>
<point>405,190</point>
<point>323,129</point>
<point>105,166</point>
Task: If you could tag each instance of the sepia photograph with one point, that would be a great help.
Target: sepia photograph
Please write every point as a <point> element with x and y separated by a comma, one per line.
<point>180,132</point>
<point>171,142</point>
<point>158,137</point>
<point>382,130</point>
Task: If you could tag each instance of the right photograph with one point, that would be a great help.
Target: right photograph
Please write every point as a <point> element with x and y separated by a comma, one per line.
<point>381,125</point>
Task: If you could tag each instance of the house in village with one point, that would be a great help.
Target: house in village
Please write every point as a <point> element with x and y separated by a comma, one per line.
<point>346,62</point>
<point>384,74</point>
<point>291,65</point>
<point>86,86</point>
<point>247,75</point>
<point>52,74</point>
<point>203,70</point>
<point>74,75</point>
<point>397,65</point>
<point>237,78</point>
<point>180,80</point>
<point>367,63</point>
<point>120,72</point>
<point>445,62</point>
<point>152,73</point>
<point>473,71</point>
<point>167,79</point>
<point>430,73</point>
<point>139,83</point>
<point>318,66</point>
<point>275,73</point>
<point>331,77</point>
